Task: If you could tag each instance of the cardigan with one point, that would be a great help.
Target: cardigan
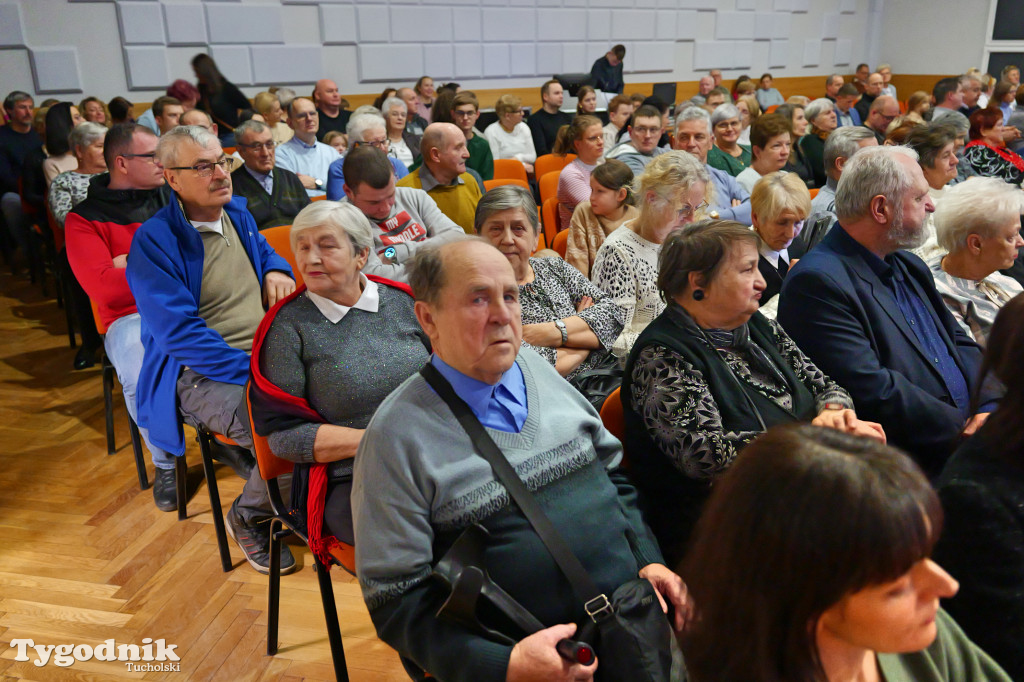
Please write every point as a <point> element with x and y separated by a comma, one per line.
<point>588,231</point>
<point>729,163</point>
<point>689,409</point>
<point>277,208</point>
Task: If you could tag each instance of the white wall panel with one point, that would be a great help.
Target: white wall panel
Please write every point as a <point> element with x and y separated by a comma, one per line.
<point>421,24</point>
<point>234,62</point>
<point>633,24</point>
<point>496,61</point>
<point>141,23</point>
<point>665,27</point>
<point>56,69</point>
<point>653,57</point>
<point>185,24</point>
<point>599,24</point>
<point>11,32</point>
<point>373,23</point>
<point>509,24</point>
<point>778,55</point>
<point>468,61</point>
<point>273,64</point>
<point>338,24</point>
<point>562,24</point>
<point>147,67</point>
<point>812,52</point>
<point>439,60</point>
<point>734,25</point>
<point>687,25</point>
<point>844,52</point>
<point>549,59</point>
<point>466,23</point>
<point>829,26</point>
<point>231,23</point>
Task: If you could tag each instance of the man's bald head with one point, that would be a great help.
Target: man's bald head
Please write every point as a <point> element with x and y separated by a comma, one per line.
<point>326,95</point>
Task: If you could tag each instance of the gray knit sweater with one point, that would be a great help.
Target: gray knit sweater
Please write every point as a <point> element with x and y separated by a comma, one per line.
<point>419,484</point>
<point>344,370</point>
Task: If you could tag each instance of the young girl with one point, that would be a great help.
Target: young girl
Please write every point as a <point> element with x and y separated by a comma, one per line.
<point>611,204</point>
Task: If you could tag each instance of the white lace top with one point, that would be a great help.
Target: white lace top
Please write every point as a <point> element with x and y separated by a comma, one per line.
<point>626,268</point>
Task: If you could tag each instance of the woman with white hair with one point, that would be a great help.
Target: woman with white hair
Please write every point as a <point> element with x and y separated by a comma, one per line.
<point>340,329</point>
<point>979,244</point>
<point>821,113</point>
<point>71,187</point>
<point>728,154</point>
<point>404,145</point>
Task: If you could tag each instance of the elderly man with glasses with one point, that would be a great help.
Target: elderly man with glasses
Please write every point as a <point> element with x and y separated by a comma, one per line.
<point>203,276</point>
<point>371,130</point>
<point>275,194</point>
<point>304,155</point>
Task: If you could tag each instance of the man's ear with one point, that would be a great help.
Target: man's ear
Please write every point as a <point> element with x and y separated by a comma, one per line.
<point>171,180</point>
<point>425,316</point>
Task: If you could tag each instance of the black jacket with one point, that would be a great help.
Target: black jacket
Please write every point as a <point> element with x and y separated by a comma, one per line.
<point>270,210</point>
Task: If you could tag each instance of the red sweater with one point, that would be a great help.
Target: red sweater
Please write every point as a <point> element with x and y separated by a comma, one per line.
<point>98,230</point>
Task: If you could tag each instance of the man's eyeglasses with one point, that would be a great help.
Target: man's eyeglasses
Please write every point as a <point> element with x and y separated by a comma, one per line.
<point>379,144</point>
<point>647,131</point>
<point>303,116</point>
<point>268,145</point>
<point>151,157</point>
<point>686,211</point>
<point>464,114</point>
<point>204,169</point>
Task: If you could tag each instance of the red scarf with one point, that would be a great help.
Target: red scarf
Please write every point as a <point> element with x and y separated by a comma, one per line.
<point>266,396</point>
<point>1004,153</point>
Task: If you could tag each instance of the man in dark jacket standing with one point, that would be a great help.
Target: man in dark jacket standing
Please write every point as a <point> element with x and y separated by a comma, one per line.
<point>606,73</point>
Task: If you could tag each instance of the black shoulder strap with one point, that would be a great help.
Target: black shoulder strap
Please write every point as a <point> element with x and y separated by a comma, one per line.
<point>582,584</point>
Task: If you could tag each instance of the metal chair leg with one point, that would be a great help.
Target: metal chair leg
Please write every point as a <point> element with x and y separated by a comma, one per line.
<point>140,463</point>
<point>331,616</point>
<point>180,476</point>
<point>215,508</point>
<point>108,402</point>
<point>274,586</point>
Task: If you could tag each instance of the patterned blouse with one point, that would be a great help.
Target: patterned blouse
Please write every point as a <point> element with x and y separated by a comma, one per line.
<point>987,163</point>
<point>626,268</point>
<point>67,189</point>
<point>554,293</point>
<point>973,304</point>
<point>680,413</point>
<point>587,232</point>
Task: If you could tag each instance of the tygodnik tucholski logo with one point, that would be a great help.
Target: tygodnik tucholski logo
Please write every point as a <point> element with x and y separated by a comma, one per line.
<point>152,655</point>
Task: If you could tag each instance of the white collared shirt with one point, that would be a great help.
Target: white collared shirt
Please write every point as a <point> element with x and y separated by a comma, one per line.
<point>369,301</point>
<point>773,256</point>
<point>211,226</point>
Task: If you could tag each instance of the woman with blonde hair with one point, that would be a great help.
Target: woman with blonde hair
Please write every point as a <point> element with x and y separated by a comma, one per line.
<point>779,204</point>
<point>509,136</point>
<point>749,111</point>
<point>268,106</point>
<point>918,104</point>
<point>671,193</point>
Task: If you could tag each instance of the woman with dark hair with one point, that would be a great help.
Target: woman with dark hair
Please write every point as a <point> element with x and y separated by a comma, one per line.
<point>1003,99</point>
<point>586,101</point>
<point>811,564</point>
<point>987,153</point>
<point>121,111</point>
<point>385,94</point>
<point>798,162</point>
<point>584,137</point>
<point>61,119</point>
<point>766,94</point>
<point>710,374</point>
<point>218,97</point>
<point>742,79</point>
<point>610,205</point>
<point>919,103</point>
<point>566,319</point>
<point>982,493</point>
<point>424,89</point>
<point>441,109</point>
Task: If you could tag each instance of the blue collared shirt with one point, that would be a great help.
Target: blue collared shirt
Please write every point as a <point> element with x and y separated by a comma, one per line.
<point>922,321</point>
<point>501,407</point>
<point>307,159</point>
<point>266,180</point>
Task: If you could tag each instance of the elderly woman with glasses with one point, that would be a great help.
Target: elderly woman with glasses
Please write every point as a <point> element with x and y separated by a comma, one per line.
<point>369,129</point>
<point>509,136</point>
<point>977,244</point>
<point>341,328</point>
<point>728,154</point>
<point>671,192</point>
<point>821,113</point>
<point>566,319</point>
<point>710,374</point>
<point>403,145</point>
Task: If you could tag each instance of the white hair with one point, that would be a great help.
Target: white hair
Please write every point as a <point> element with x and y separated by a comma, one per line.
<point>360,123</point>
<point>167,147</point>
<point>871,172</point>
<point>817,108</point>
<point>392,102</point>
<point>959,215</point>
<point>693,113</point>
<point>344,218</point>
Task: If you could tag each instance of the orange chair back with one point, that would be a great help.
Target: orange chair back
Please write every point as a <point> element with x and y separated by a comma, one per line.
<point>611,414</point>
<point>561,242</point>
<point>771,109</point>
<point>549,211</point>
<point>814,192</point>
<point>549,185</point>
<point>498,182</point>
<point>56,229</point>
<point>549,162</point>
<point>271,466</point>
<point>509,169</point>
<point>278,238</point>
<point>319,198</point>
<point>100,327</point>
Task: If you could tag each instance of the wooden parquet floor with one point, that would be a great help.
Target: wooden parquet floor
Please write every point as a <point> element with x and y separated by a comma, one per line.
<point>85,556</point>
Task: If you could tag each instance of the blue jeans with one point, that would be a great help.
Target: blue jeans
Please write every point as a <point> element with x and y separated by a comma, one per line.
<point>123,345</point>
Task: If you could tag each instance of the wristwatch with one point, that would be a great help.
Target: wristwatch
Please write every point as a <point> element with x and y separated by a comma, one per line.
<point>834,406</point>
<point>565,332</point>
<point>319,183</point>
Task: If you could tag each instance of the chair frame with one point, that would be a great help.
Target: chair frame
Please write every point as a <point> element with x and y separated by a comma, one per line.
<point>281,526</point>
<point>206,438</point>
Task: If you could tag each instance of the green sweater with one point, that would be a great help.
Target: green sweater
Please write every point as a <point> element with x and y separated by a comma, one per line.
<point>418,485</point>
<point>951,658</point>
<point>480,158</point>
<point>733,165</point>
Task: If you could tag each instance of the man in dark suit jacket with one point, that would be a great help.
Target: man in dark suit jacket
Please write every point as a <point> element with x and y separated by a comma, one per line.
<point>868,315</point>
<point>275,195</point>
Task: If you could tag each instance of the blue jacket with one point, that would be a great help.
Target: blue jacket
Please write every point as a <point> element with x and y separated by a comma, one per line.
<point>165,274</point>
<point>727,189</point>
<point>841,314</point>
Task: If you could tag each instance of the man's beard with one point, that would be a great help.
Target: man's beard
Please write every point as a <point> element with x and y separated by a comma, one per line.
<point>903,236</point>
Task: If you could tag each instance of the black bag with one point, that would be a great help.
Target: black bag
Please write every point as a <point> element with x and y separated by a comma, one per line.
<point>633,634</point>
<point>597,383</point>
